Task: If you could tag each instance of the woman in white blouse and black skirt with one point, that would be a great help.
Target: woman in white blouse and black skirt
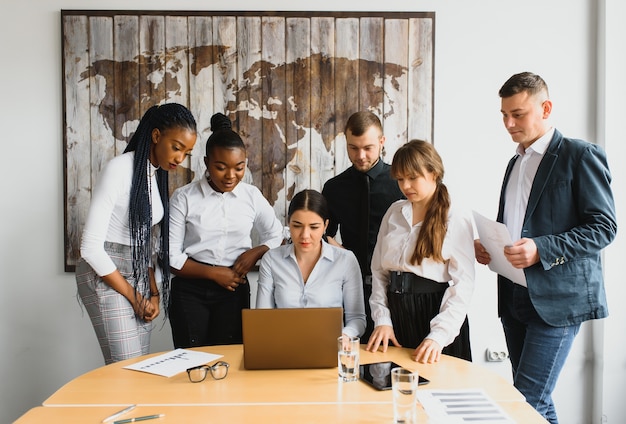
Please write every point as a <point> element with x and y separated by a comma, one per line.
<point>211,222</point>
<point>423,263</point>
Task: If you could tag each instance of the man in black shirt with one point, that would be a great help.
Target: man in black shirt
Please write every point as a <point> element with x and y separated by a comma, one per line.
<point>359,196</point>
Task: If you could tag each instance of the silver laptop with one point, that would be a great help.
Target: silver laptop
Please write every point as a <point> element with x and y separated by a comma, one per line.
<point>294,338</point>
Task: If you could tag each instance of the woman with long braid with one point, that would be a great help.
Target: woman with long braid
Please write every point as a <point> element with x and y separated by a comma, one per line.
<point>115,275</point>
<point>422,265</point>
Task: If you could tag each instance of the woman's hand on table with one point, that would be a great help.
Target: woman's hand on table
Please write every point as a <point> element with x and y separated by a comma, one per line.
<point>381,335</point>
<point>428,352</point>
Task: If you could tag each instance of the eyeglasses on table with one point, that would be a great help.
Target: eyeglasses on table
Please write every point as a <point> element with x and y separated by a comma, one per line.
<point>218,370</point>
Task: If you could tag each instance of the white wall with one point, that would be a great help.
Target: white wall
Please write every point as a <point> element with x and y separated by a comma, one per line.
<point>614,383</point>
<point>45,340</point>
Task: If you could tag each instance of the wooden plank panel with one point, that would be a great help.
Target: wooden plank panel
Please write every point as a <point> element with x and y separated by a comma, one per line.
<point>77,167</point>
<point>371,54</point>
<point>225,36</point>
<point>248,108</point>
<point>126,77</point>
<point>346,81</point>
<point>421,79</point>
<point>177,60</point>
<point>395,85</point>
<point>274,147</point>
<point>203,57</point>
<point>101,102</point>
<point>324,126</point>
<point>300,172</point>
<point>177,82</point>
<point>151,61</point>
<point>371,67</point>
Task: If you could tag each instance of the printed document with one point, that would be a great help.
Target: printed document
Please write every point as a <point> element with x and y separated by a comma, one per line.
<point>462,406</point>
<point>174,362</point>
<point>494,236</point>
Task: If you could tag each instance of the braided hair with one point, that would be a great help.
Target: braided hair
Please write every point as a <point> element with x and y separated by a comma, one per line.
<point>164,117</point>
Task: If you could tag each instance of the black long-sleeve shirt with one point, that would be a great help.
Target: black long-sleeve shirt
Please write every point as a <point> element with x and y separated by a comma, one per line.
<point>350,196</point>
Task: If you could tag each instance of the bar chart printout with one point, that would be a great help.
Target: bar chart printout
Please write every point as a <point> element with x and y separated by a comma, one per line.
<point>462,406</point>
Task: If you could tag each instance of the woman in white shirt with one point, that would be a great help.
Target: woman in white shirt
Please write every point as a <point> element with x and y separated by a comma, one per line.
<point>422,265</point>
<point>309,272</point>
<point>115,275</point>
<point>211,222</point>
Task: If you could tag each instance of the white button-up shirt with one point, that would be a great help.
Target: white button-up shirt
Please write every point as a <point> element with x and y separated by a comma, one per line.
<point>215,228</point>
<point>394,248</point>
<point>520,183</point>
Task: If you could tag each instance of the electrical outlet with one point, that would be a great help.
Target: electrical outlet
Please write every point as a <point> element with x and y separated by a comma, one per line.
<point>496,355</point>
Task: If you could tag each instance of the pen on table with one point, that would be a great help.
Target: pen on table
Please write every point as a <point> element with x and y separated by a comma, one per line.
<point>117,414</point>
<point>132,420</point>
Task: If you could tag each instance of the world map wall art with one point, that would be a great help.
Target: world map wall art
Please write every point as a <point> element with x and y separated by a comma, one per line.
<point>287,80</point>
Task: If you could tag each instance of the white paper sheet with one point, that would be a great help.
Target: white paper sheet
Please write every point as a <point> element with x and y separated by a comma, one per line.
<point>461,406</point>
<point>494,236</point>
<point>174,362</point>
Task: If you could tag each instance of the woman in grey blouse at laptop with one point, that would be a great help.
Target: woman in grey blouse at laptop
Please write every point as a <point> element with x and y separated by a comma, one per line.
<point>309,272</point>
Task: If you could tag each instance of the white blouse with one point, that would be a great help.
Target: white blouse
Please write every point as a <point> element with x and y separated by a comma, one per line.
<point>107,219</point>
<point>393,251</point>
<point>215,228</point>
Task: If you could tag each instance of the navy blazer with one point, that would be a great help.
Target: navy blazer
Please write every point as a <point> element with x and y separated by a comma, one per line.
<point>571,217</point>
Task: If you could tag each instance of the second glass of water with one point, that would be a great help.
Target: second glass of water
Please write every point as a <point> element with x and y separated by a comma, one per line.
<point>404,386</point>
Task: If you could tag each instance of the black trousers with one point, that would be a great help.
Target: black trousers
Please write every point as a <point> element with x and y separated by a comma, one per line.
<point>203,313</point>
<point>411,314</point>
<point>369,323</point>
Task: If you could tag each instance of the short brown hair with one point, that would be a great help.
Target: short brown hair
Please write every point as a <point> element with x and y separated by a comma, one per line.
<point>524,81</point>
<point>359,122</point>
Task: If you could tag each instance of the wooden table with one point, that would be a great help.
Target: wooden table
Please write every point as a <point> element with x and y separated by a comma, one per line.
<point>266,396</point>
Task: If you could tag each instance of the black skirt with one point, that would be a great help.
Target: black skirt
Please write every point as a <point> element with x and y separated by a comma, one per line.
<point>413,302</point>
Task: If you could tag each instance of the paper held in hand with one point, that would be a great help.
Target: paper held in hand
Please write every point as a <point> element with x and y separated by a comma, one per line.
<point>174,362</point>
<point>494,236</point>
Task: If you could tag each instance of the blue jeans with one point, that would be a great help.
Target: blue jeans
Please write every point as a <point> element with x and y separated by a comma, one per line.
<point>537,350</point>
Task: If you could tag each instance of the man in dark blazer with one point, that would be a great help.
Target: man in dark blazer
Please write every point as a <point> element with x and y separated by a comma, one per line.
<point>557,204</point>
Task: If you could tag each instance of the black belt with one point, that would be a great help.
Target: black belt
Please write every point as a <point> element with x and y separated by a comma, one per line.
<point>407,282</point>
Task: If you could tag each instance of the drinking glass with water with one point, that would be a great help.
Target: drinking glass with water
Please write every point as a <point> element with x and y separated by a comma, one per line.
<point>348,357</point>
<point>404,386</point>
